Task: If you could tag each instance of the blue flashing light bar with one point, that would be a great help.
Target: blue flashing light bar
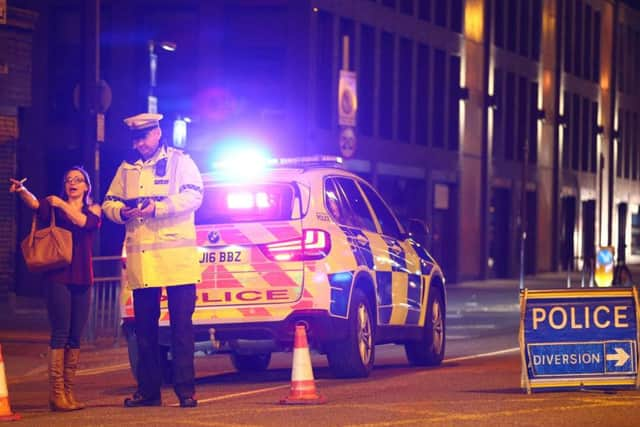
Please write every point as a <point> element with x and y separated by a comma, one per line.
<point>315,160</point>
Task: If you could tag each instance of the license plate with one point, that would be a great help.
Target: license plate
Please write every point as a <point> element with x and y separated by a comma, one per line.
<point>224,256</point>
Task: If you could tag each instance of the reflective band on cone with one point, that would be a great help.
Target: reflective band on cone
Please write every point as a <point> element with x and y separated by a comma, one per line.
<point>303,387</point>
<point>5,409</point>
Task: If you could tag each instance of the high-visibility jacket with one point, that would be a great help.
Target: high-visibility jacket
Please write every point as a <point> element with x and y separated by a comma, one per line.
<point>161,251</point>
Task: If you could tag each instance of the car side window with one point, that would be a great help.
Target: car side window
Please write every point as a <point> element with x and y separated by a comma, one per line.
<point>387,220</point>
<point>334,204</point>
<point>356,201</point>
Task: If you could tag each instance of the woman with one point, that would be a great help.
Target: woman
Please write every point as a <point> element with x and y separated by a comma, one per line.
<point>68,294</point>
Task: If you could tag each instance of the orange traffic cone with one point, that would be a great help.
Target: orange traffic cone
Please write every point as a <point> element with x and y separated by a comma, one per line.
<point>5,409</point>
<point>303,387</point>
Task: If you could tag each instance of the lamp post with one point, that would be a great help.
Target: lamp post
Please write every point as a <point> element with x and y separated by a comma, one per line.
<point>152,99</point>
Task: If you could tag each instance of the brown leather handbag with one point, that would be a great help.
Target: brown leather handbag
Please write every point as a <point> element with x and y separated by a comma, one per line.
<point>48,248</point>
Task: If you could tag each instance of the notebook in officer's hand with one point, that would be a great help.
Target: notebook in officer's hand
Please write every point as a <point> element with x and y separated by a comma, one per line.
<point>135,203</point>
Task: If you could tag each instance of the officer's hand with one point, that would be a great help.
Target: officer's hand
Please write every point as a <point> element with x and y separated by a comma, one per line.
<point>148,209</point>
<point>128,213</point>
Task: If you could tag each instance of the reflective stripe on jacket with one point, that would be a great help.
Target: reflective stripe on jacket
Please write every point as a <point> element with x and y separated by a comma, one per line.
<point>161,251</point>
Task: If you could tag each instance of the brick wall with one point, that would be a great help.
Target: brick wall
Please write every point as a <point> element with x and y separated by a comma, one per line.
<point>15,92</point>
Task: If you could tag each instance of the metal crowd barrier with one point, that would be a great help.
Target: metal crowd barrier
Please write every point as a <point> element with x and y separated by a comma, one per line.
<point>104,315</point>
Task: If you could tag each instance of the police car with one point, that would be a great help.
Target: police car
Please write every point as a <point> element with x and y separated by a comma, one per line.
<point>304,241</point>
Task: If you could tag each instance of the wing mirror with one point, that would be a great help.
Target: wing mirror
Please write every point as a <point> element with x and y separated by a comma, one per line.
<point>418,230</point>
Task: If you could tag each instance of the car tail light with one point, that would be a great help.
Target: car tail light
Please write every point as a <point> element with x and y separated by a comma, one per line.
<point>314,244</point>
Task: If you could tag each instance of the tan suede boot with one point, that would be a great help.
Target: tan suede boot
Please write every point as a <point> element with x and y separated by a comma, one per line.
<point>57,399</point>
<point>71,358</point>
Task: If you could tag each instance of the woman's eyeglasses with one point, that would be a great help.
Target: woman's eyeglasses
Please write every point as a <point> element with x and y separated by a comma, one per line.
<point>74,180</point>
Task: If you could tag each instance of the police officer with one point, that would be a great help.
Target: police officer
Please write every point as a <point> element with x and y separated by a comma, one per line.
<point>156,196</point>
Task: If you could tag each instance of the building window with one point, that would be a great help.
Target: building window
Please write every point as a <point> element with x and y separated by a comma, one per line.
<point>588,43</point>
<point>594,138</point>
<point>587,128</point>
<point>454,111</point>
<point>498,115</point>
<point>627,142</point>
<point>512,25</point>
<point>536,29</point>
<point>423,94</point>
<point>366,80</point>
<point>574,125</point>
<point>619,141</point>
<point>523,116</point>
<point>533,123</point>
<point>509,118</point>
<point>389,3</point>
<point>498,14</point>
<point>406,7</point>
<point>525,16</point>
<point>424,10</point>
<point>635,231</point>
<point>568,33</point>
<point>441,13</point>
<point>404,90</point>
<point>324,69</point>
<point>457,17</point>
<point>634,145</point>
<point>577,46</point>
<point>595,75</point>
<point>386,85</point>
<point>439,105</point>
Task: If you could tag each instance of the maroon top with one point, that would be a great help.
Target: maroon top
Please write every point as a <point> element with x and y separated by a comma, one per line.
<point>80,271</point>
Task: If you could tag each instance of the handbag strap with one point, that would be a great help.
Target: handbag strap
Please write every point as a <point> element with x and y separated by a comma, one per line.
<point>53,217</point>
<point>32,235</point>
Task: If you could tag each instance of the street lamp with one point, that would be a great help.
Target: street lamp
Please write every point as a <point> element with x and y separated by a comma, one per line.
<point>152,100</point>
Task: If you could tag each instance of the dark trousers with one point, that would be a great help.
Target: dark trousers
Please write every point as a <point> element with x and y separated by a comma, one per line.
<point>146,304</point>
<point>68,309</point>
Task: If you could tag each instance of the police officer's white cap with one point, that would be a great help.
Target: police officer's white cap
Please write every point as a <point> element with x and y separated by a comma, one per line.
<point>143,121</point>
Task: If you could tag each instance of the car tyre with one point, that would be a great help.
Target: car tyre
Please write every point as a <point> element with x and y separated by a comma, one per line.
<point>429,349</point>
<point>250,362</point>
<point>354,358</point>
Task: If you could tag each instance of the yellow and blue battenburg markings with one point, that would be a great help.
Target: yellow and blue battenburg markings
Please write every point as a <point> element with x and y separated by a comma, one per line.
<point>341,284</point>
<point>394,280</point>
<point>574,339</point>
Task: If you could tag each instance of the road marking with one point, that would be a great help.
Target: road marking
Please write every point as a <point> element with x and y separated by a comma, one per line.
<point>478,356</point>
<point>244,393</point>
<point>467,327</point>
<point>103,369</point>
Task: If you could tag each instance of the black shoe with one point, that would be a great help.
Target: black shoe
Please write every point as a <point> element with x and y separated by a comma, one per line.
<point>188,402</point>
<point>138,400</point>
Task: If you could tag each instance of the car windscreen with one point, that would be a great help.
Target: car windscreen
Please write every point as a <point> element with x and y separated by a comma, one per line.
<point>246,203</point>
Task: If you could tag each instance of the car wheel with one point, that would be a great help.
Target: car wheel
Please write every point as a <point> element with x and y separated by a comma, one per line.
<point>250,362</point>
<point>132,350</point>
<point>354,358</point>
<point>429,349</point>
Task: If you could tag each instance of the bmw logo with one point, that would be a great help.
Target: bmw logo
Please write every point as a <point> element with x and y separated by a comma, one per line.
<point>213,236</point>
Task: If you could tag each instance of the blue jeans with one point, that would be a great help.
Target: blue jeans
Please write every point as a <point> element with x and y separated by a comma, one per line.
<point>68,308</point>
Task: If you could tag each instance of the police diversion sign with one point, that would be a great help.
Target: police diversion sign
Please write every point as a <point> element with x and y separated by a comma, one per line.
<point>583,338</point>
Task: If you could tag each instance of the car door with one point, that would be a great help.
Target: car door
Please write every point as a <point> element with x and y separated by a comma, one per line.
<point>406,282</point>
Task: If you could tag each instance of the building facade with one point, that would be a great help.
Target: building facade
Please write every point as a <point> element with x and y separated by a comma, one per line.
<point>491,120</point>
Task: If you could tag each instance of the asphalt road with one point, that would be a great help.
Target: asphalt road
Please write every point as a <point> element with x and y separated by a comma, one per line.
<point>477,385</point>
